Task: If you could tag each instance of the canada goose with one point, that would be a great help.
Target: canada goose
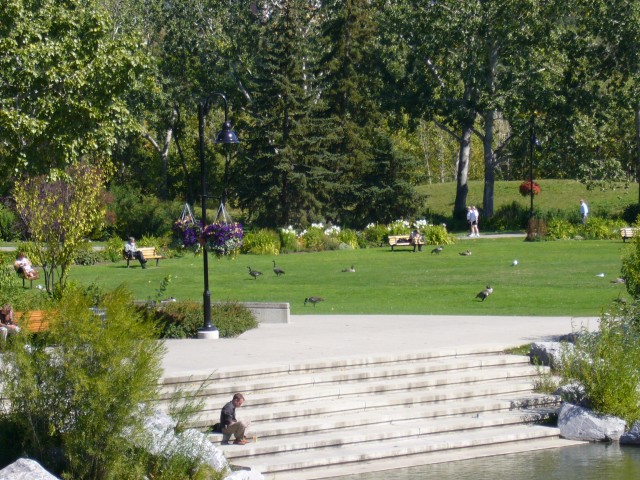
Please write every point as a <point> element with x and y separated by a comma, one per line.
<point>485,293</point>
<point>276,270</point>
<point>465,254</point>
<point>618,280</point>
<point>350,270</point>
<point>437,250</point>
<point>313,300</point>
<point>254,273</point>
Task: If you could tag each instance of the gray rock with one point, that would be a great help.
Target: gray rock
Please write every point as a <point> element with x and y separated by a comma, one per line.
<point>578,423</point>
<point>548,353</point>
<point>573,393</point>
<point>194,444</point>
<point>632,437</point>
<point>25,469</point>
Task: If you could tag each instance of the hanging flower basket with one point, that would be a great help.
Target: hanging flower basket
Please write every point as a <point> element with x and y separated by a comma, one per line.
<point>188,232</point>
<point>526,187</point>
<point>223,238</point>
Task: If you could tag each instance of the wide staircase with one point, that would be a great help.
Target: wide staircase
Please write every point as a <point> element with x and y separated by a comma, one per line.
<point>353,415</point>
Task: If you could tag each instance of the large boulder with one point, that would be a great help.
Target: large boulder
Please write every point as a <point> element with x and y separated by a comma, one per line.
<point>548,353</point>
<point>632,437</point>
<point>191,443</point>
<point>25,469</point>
<point>578,423</point>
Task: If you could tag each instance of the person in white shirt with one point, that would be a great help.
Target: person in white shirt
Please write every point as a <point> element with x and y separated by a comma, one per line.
<point>584,211</point>
<point>131,251</point>
<point>24,267</point>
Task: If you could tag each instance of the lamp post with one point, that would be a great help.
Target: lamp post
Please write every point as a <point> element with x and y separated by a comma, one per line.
<point>227,137</point>
<point>533,142</point>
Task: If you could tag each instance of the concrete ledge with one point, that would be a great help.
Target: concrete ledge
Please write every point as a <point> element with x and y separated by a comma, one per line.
<point>269,312</point>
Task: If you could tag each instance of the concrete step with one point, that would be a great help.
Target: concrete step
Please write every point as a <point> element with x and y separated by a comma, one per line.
<point>393,448</point>
<point>397,369</point>
<point>383,432</point>
<point>442,456</point>
<point>368,401</point>
<point>330,364</point>
<point>364,419</point>
<point>346,415</point>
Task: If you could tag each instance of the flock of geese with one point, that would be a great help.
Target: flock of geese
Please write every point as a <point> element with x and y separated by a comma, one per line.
<point>313,300</point>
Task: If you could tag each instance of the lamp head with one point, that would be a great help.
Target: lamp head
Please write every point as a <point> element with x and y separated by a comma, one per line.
<point>227,135</point>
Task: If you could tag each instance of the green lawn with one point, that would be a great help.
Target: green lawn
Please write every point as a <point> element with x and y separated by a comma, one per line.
<point>552,278</point>
<point>554,194</point>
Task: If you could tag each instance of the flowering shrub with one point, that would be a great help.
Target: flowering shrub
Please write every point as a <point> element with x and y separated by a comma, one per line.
<point>223,238</point>
<point>398,227</point>
<point>288,240</point>
<point>526,187</point>
<point>188,232</point>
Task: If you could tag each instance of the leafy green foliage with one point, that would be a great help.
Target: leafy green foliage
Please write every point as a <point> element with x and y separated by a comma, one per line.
<point>261,242</point>
<point>8,224</point>
<point>184,319</point>
<point>607,364</point>
<point>78,401</point>
<point>65,81</point>
<point>60,210</point>
<point>437,235</point>
<point>560,229</point>
<point>349,237</point>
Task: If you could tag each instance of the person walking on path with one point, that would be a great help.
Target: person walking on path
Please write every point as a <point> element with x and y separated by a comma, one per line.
<point>230,425</point>
<point>472,218</point>
<point>584,211</point>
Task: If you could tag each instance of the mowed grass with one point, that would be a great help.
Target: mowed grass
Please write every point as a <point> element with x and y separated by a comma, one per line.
<point>562,195</point>
<point>551,279</point>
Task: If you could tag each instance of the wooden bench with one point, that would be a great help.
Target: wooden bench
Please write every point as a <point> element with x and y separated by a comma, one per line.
<point>22,275</point>
<point>149,253</point>
<point>628,232</point>
<point>35,321</point>
<point>401,241</point>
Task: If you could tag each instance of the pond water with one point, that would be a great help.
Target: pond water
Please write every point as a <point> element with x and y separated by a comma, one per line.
<point>584,462</point>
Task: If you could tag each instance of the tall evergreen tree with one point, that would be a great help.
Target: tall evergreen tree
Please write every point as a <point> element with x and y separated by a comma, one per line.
<point>279,180</point>
<point>368,177</point>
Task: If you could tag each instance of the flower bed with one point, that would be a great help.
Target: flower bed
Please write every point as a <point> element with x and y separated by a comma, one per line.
<point>526,187</point>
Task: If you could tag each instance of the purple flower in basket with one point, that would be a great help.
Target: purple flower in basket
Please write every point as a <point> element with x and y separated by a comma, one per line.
<point>223,238</point>
<point>187,231</point>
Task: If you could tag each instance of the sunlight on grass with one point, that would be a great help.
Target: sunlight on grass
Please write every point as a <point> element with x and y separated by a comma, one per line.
<point>551,278</point>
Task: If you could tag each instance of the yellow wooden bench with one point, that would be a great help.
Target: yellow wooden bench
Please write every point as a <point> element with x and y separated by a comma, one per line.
<point>402,241</point>
<point>34,322</point>
<point>628,232</point>
<point>149,253</point>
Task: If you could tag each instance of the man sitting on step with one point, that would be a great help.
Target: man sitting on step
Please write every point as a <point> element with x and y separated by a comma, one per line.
<point>230,425</point>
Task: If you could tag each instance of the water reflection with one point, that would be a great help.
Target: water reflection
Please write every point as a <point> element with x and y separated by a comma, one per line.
<point>585,462</point>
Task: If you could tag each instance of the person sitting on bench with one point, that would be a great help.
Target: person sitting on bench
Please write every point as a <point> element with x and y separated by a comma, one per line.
<point>415,239</point>
<point>131,252</point>
<point>23,267</point>
<point>7,324</point>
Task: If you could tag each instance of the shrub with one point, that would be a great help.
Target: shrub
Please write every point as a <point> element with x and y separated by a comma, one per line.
<point>86,255</point>
<point>9,230</point>
<point>348,236</point>
<point>601,229</point>
<point>83,398</point>
<point>607,364</point>
<point>438,235</point>
<point>398,227</point>
<point>288,240</point>
<point>374,234</point>
<point>184,319</point>
<point>113,249</point>
<point>261,242</point>
<point>313,238</point>
<point>560,229</point>
<point>513,216</point>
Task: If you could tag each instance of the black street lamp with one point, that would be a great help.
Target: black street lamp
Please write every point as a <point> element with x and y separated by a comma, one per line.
<point>533,143</point>
<point>227,137</point>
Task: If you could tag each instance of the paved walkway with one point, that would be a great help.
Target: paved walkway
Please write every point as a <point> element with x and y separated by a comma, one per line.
<point>314,337</point>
